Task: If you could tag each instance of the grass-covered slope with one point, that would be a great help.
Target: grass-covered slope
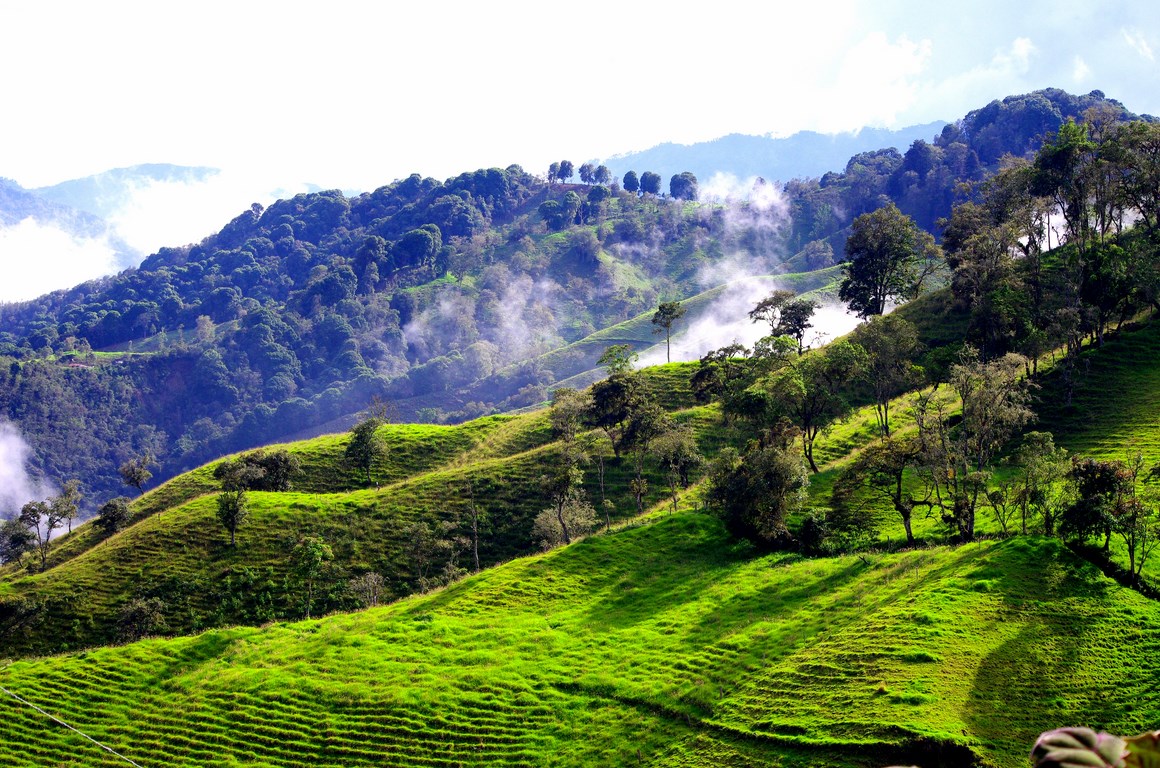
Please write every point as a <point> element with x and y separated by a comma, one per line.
<point>663,644</point>
<point>178,552</point>
<point>1108,405</point>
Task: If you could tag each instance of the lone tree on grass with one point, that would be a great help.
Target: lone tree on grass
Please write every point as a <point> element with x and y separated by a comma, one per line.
<point>889,259</point>
<point>113,515</point>
<point>367,446</point>
<point>232,510</point>
<point>308,561</point>
<point>667,314</point>
<point>135,471</point>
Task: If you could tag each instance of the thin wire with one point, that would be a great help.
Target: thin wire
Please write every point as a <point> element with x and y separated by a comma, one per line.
<point>56,719</point>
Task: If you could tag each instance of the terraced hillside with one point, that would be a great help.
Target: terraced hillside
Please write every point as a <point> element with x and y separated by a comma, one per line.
<point>178,552</point>
<point>660,644</point>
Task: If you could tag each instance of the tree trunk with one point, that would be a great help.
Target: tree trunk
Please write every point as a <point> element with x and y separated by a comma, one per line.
<point>563,524</point>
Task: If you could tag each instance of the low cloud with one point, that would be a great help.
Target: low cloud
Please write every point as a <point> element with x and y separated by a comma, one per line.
<point>175,213</point>
<point>17,486</point>
<point>726,320</point>
<point>38,258</point>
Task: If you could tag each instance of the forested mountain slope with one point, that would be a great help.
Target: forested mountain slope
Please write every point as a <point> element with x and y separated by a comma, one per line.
<point>451,299</point>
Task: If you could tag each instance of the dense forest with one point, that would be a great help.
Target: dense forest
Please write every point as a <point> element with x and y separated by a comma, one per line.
<point>440,297</point>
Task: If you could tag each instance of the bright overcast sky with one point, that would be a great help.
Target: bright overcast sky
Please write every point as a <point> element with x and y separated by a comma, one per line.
<point>354,95</point>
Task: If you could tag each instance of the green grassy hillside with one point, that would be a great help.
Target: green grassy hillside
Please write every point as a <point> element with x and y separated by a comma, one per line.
<point>178,552</point>
<point>661,644</point>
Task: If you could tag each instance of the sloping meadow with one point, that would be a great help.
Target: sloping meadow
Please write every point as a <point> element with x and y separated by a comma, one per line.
<point>659,644</point>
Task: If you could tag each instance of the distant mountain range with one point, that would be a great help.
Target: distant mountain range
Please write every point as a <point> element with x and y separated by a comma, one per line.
<point>104,194</point>
<point>802,155</point>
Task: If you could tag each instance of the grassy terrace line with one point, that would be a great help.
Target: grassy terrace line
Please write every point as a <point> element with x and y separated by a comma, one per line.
<point>664,644</point>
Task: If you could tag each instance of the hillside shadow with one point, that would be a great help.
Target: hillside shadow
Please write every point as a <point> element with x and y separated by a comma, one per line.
<point>1036,680</point>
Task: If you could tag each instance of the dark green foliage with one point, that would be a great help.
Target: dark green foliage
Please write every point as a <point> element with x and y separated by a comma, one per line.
<point>683,186</point>
<point>650,183</point>
<point>113,515</point>
<point>232,511</point>
<point>613,401</point>
<point>756,492</point>
<point>366,446</point>
<point>630,182</point>
<point>889,257</point>
<point>259,470</point>
<point>16,540</point>
<point>141,617</point>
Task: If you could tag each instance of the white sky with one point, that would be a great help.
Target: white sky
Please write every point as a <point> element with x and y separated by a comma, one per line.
<point>356,94</point>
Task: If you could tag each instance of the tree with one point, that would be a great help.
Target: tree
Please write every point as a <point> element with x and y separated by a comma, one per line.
<point>960,431</point>
<point>594,208</point>
<point>617,359</point>
<point>630,182</point>
<point>141,617</point>
<point>553,173</point>
<point>1039,465</point>
<point>566,170</point>
<point>232,511</point>
<point>367,588</point>
<point>113,515</point>
<point>569,408</point>
<point>562,482</point>
<point>786,315</point>
<point>15,540</point>
<point>614,399</point>
<point>135,471</point>
<point>259,471</point>
<point>602,175</point>
<point>677,452</point>
<point>561,523</point>
<point>889,258</point>
<point>683,186</point>
<point>41,518</point>
<point>768,310</point>
<point>650,183</point>
<point>308,561</point>
<point>812,391</point>
<point>587,173</point>
<point>668,313</point>
<point>796,319</point>
<point>891,345</point>
<point>366,446</point>
<point>477,518</point>
<point>878,471</point>
<point>66,504</point>
<point>756,493</point>
<point>646,422</point>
